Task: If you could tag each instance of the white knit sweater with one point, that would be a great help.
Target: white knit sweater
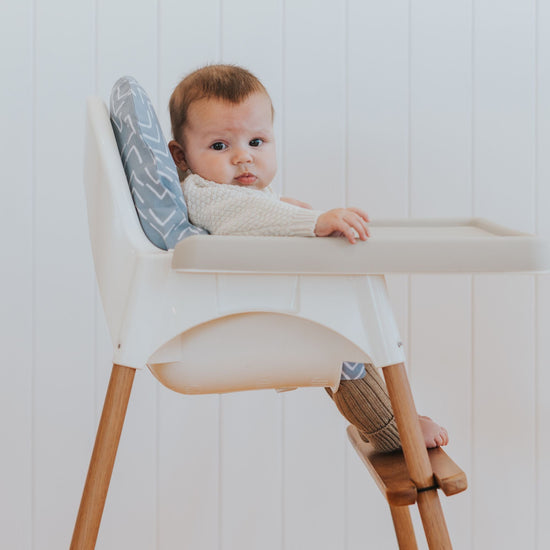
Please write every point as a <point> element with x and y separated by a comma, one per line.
<point>233,210</point>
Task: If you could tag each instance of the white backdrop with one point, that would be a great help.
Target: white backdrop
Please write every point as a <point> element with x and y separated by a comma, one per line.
<point>404,107</point>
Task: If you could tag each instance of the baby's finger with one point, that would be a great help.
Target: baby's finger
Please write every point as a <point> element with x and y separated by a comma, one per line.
<point>358,224</point>
<point>367,230</point>
<point>347,231</point>
<point>363,217</point>
<point>360,212</point>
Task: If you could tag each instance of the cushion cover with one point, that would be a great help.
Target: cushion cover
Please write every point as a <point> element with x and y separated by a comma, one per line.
<point>149,166</point>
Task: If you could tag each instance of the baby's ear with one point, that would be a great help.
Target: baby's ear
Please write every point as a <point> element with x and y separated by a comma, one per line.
<point>178,155</point>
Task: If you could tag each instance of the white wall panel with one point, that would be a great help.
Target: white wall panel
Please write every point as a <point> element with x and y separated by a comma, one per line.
<point>503,365</point>
<point>378,107</point>
<point>441,114</point>
<point>314,102</point>
<point>130,49</point>
<point>440,185</point>
<point>542,414</point>
<point>314,171</point>
<point>441,374</point>
<point>189,504</point>
<point>64,288</point>
<point>251,471</point>
<point>16,322</point>
<point>377,180</point>
<point>251,453</point>
<point>504,112</point>
<point>190,37</point>
<point>314,469</point>
<point>189,471</point>
<point>127,44</point>
<point>504,412</point>
<point>542,287</point>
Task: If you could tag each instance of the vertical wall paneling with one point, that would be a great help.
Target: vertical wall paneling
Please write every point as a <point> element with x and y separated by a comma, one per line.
<point>64,314</point>
<point>543,282</point>
<point>440,186</point>
<point>127,44</point>
<point>314,171</point>
<point>315,102</point>
<point>189,426</point>
<point>542,195</point>
<point>251,471</point>
<point>504,131</point>
<point>16,325</point>
<point>377,171</point>
<point>542,382</point>
<point>130,49</point>
<point>504,411</point>
<point>378,103</point>
<point>314,471</point>
<point>251,436</point>
<point>441,363</point>
<point>440,51</point>
<point>189,38</point>
<point>189,479</point>
<point>504,95</point>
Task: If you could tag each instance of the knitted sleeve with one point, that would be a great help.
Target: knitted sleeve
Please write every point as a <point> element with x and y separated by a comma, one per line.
<point>234,210</point>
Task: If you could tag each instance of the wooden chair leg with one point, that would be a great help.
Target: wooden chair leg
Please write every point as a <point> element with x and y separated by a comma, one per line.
<point>404,530</point>
<point>103,458</point>
<point>416,456</point>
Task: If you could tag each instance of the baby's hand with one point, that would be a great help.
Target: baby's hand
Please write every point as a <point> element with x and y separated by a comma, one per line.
<point>296,202</point>
<point>349,222</point>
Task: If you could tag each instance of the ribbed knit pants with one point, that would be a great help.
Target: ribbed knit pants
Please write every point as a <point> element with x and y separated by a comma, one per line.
<point>365,403</point>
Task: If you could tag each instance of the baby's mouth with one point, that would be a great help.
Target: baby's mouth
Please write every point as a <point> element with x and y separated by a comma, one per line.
<point>246,178</point>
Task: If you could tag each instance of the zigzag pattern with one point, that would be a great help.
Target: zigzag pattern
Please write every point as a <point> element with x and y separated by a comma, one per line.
<point>150,170</point>
<point>352,371</point>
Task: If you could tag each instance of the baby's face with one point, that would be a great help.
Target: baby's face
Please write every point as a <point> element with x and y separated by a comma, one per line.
<point>231,143</point>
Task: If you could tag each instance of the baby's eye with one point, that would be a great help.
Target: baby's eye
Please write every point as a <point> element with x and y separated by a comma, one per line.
<point>255,142</point>
<point>218,146</point>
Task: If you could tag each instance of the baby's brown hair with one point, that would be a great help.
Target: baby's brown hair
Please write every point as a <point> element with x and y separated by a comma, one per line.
<point>225,82</point>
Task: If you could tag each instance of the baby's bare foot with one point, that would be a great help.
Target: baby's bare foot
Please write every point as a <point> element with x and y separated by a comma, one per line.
<point>434,434</point>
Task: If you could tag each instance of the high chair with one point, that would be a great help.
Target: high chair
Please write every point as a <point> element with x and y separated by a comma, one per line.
<point>209,316</point>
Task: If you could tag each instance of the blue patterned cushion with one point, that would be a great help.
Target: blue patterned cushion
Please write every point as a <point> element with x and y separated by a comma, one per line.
<point>353,371</point>
<point>149,167</point>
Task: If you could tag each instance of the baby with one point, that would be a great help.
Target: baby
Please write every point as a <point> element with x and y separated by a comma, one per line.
<point>224,148</point>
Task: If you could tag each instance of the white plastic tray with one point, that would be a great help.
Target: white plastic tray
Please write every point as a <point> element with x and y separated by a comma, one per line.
<point>466,245</point>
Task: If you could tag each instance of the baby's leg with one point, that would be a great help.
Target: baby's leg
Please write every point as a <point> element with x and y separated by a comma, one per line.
<point>365,404</point>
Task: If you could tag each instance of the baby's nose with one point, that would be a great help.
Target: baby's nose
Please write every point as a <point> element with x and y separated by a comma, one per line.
<point>242,156</point>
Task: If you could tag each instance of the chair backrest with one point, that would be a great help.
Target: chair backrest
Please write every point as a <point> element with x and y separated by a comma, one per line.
<point>115,233</point>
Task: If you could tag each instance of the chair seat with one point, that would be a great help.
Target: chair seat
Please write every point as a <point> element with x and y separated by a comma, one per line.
<point>390,473</point>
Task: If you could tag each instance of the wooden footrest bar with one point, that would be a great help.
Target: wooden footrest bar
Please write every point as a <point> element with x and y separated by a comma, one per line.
<point>392,477</point>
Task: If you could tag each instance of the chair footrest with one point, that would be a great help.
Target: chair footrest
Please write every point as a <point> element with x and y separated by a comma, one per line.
<point>390,472</point>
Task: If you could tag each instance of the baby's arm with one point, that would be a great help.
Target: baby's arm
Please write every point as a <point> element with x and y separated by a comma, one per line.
<point>350,222</point>
<point>233,210</point>
<point>341,222</point>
